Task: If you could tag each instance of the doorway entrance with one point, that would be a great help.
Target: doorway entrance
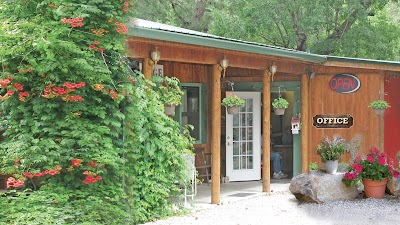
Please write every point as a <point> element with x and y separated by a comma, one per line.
<point>243,147</point>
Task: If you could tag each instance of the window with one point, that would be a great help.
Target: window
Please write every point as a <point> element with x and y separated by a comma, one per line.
<point>192,110</point>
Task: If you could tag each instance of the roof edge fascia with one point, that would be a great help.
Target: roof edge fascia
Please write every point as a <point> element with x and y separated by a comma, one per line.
<point>212,42</point>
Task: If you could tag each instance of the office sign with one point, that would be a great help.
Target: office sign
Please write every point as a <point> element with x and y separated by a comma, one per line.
<point>344,83</point>
<point>333,121</point>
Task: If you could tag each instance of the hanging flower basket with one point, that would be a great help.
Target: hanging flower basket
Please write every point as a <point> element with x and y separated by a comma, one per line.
<point>279,111</point>
<point>379,106</point>
<point>379,112</point>
<point>233,103</point>
<point>279,105</point>
<point>169,110</point>
<point>233,110</point>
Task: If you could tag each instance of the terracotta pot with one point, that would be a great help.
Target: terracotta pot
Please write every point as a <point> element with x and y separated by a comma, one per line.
<point>279,111</point>
<point>374,188</point>
<point>169,110</point>
<point>233,110</point>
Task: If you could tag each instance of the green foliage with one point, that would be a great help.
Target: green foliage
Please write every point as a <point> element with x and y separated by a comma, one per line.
<point>331,149</point>
<point>280,103</point>
<point>84,133</point>
<point>168,89</point>
<point>232,101</point>
<point>379,104</point>
<point>313,166</point>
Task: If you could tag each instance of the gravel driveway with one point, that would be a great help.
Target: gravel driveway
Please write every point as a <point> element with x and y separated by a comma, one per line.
<point>283,208</point>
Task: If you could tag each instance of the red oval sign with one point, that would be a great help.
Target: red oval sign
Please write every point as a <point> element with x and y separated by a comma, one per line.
<point>345,83</point>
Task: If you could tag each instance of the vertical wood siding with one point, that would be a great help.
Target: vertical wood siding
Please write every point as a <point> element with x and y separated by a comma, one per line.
<point>323,100</point>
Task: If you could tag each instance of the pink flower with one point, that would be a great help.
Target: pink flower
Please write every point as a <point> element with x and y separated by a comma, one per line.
<point>370,158</point>
<point>382,161</point>
<point>357,167</point>
<point>53,172</point>
<point>395,174</point>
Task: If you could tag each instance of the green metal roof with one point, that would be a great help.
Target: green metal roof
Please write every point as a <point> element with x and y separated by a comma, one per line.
<point>360,60</point>
<point>158,31</point>
<point>152,30</point>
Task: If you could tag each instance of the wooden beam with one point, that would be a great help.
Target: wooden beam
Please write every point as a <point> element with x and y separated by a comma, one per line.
<point>305,118</point>
<point>147,68</point>
<point>266,137</point>
<point>177,52</point>
<point>216,134</point>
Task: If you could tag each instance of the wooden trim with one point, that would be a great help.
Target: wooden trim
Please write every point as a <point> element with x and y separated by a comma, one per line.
<point>305,118</point>
<point>266,110</point>
<point>362,65</point>
<point>178,52</point>
<point>147,68</point>
<point>216,134</point>
<point>381,122</point>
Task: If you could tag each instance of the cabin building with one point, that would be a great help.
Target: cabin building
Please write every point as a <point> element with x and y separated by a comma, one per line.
<point>327,95</point>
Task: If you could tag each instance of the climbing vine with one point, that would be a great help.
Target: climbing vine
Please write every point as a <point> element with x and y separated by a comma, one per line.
<point>85,137</point>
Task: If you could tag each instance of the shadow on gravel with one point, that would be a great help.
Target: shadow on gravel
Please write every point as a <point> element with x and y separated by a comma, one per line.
<point>354,212</point>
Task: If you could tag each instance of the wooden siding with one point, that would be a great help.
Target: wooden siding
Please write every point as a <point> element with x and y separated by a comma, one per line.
<point>323,100</point>
<point>139,48</point>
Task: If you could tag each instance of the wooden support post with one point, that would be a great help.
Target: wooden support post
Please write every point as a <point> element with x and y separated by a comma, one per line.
<point>266,142</point>
<point>305,118</point>
<point>216,134</point>
<point>147,68</point>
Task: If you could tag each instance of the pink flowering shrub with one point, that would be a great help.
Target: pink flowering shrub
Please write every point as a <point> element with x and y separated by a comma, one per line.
<point>373,167</point>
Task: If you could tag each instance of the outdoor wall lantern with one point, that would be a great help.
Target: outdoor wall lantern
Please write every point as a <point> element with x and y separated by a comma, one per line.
<point>273,68</point>
<point>224,64</point>
<point>155,55</point>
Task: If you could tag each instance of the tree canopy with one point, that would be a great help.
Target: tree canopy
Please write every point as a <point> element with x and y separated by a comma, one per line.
<point>356,28</point>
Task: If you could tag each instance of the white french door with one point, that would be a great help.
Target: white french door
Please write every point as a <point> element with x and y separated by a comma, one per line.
<point>243,131</point>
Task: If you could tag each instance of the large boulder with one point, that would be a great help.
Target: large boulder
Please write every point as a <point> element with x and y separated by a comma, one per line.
<point>393,187</point>
<point>321,187</point>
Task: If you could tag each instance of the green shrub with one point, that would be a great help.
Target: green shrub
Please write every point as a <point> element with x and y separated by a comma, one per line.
<point>85,135</point>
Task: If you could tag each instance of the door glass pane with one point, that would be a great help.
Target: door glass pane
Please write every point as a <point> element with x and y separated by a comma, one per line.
<point>235,148</point>
<point>250,134</point>
<point>236,120</point>
<point>243,148</point>
<point>250,148</point>
<point>235,162</point>
<point>249,105</point>
<point>235,134</point>
<point>243,119</point>
<point>243,162</point>
<point>249,119</point>
<point>249,162</point>
<point>244,134</point>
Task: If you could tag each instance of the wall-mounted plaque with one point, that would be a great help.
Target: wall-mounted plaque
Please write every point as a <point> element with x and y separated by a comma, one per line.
<point>333,121</point>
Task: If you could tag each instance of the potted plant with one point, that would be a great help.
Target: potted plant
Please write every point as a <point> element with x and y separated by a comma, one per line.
<point>279,105</point>
<point>331,151</point>
<point>313,166</point>
<point>233,103</point>
<point>374,172</point>
<point>379,106</point>
<point>169,93</point>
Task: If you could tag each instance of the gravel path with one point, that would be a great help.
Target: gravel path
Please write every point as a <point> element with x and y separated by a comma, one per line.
<point>283,208</point>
